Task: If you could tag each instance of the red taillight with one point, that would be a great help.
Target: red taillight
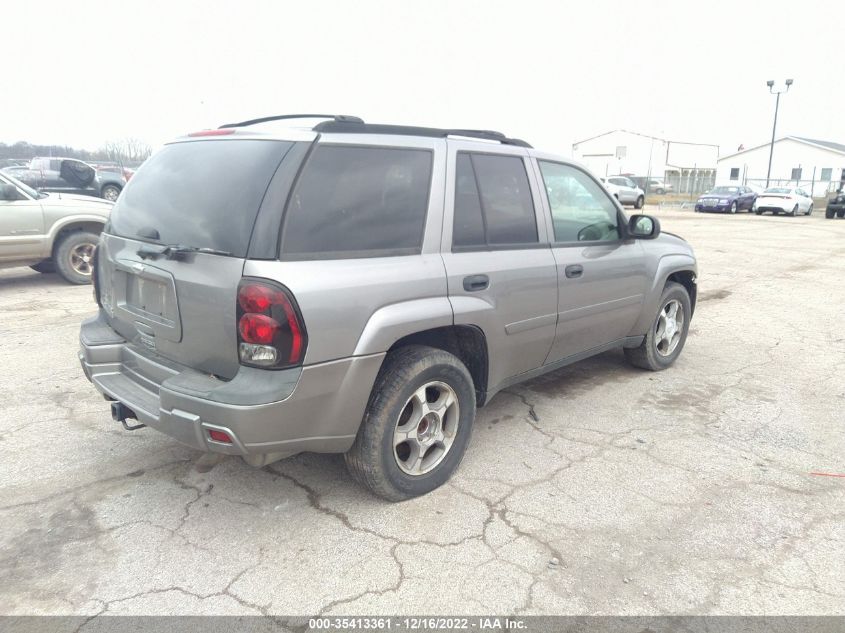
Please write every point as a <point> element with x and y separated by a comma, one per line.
<point>220,436</point>
<point>270,329</point>
<point>258,298</point>
<point>257,328</point>
<point>218,132</point>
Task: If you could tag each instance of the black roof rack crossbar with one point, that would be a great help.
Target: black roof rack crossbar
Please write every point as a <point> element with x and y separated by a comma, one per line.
<point>266,119</point>
<point>355,127</point>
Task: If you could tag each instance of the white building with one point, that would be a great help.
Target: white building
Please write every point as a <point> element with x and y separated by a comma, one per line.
<point>813,164</point>
<point>687,166</point>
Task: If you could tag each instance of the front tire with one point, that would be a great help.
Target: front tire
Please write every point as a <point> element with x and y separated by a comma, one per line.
<point>733,208</point>
<point>417,424</point>
<point>74,256</point>
<point>829,213</point>
<point>668,334</point>
<point>840,214</point>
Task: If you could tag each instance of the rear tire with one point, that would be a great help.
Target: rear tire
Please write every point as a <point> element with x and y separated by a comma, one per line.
<point>794,211</point>
<point>73,256</point>
<point>377,458</point>
<point>758,212</point>
<point>840,214</point>
<point>654,353</point>
<point>809,210</point>
<point>110,192</point>
<point>639,203</point>
<point>45,267</point>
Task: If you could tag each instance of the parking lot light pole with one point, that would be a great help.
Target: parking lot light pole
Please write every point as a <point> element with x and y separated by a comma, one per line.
<point>771,85</point>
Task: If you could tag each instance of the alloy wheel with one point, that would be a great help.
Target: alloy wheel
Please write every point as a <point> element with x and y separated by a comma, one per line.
<point>669,327</point>
<point>426,428</point>
<point>81,257</point>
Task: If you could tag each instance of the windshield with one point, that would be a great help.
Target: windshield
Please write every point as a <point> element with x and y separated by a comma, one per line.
<point>725,190</point>
<point>778,190</point>
<point>25,188</point>
<point>204,194</point>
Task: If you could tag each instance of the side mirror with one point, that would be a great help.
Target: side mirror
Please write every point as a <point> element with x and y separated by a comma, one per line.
<point>9,193</point>
<point>643,227</point>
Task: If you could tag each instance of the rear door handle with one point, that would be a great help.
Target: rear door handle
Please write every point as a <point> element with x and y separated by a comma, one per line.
<point>474,283</point>
<point>575,270</point>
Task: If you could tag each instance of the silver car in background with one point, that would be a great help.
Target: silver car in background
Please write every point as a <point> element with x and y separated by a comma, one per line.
<point>625,190</point>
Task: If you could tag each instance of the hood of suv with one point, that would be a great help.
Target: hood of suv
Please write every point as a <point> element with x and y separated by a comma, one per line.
<point>75,200</point>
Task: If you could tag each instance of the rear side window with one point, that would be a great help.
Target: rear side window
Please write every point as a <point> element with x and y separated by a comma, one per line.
<point>201,193</point>
<point>493,204</point>
<point>355,201</point>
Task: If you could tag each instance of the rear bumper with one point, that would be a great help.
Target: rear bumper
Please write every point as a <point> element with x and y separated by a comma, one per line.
<point>314,408</point>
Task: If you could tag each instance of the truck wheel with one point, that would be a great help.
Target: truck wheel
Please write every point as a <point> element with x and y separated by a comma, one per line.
<point>110,192</point>
<point>73,256</point>
<point>666,338</point>
<point>840,214</point>
<point>829,213</point>
<point>417,424</point>
<point>47,266</point>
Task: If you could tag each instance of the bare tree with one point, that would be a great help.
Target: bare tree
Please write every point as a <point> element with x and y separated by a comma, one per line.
<point>128,150</point>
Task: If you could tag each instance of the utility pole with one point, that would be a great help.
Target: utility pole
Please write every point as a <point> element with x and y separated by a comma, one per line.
<point>771,85</point>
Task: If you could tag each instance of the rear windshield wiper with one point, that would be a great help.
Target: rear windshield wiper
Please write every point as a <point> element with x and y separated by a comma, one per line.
<point>176,251</point>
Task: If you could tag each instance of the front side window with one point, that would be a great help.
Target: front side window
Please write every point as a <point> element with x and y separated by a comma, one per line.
<point>353,201</point>
<point>581,211</point>
<point>493,205</point>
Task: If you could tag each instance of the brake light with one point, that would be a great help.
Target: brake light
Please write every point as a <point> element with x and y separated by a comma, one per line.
<point>217,132</point>
<point>271,333</point>
<point>257,328</point>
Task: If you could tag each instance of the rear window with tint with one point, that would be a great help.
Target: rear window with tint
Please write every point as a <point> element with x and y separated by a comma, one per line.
<point>202,193</point>
<point>354,201</point>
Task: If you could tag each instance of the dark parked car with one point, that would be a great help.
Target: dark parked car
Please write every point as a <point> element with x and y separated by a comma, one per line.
<point>729,198</point>
<point>69,175</point>
<point>836,205</point>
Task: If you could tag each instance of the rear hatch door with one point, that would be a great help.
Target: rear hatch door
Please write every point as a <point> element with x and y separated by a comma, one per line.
<point>158,290</point>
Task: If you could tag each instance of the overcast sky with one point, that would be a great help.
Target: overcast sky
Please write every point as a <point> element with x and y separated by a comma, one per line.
<point>82,73</point>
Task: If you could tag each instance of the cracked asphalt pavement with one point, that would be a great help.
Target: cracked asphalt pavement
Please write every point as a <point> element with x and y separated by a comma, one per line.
<point>597,489</point>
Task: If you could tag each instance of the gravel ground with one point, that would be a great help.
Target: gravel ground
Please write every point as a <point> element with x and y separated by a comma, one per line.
<point>597,489</point>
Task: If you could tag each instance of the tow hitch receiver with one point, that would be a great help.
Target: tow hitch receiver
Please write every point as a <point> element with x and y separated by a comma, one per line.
<point>120,412</point>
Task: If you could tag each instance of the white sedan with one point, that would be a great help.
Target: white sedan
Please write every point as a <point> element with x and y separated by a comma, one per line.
<point>788,200</point>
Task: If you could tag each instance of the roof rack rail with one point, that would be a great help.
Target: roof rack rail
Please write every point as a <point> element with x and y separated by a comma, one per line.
<point>359,127</point>
<point>266,119</point>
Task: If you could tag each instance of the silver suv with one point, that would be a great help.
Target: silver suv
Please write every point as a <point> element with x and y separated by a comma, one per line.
<point>361,289</point>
